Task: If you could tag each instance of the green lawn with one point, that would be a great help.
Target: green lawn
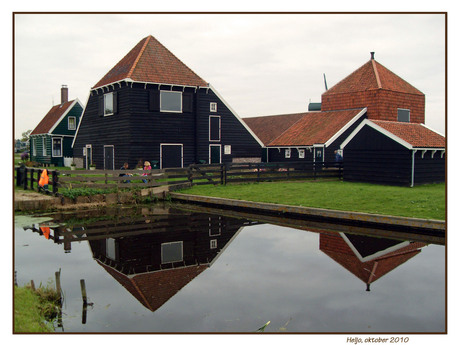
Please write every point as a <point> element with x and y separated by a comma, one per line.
<point>427,201</point>
<point>28,314</point>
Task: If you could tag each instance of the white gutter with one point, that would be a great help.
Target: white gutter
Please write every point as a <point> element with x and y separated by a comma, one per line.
<point>413,168</point>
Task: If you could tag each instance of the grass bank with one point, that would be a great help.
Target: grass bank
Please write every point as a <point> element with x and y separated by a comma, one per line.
<point>427,201</point>
<point>34,311</point>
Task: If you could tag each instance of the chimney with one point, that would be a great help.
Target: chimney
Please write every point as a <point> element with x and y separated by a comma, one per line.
<point>64,94</point>
<point>372,55</point>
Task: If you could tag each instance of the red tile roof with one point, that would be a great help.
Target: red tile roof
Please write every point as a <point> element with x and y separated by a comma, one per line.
<point>51,118</point>
<point>415,134</point>
<point>268,128</point>
<point>372,75</point>
<point>300,129</point>
<point>149,61</point>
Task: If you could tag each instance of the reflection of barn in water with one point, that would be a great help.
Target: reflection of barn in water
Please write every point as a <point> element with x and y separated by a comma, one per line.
<point>365,257</point>
<point>155,256</point>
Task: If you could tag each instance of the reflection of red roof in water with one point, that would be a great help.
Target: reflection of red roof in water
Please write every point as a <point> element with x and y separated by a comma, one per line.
<point>154,289</point>
<point>337,249</point>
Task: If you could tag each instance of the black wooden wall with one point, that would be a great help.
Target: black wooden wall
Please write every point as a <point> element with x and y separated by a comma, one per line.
<point>373,157</point>
<point>138,128</point>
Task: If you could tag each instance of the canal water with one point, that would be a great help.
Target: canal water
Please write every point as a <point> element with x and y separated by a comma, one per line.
<point>168,270</point>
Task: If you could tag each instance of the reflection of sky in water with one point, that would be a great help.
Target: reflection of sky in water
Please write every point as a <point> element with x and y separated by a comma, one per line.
<point>266,273</point>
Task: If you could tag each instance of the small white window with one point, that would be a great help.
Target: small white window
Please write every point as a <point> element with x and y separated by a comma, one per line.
<point>227,149</point>
<point>403,115</point>
<point>213,107</point>
<point>72,123</point>
<point>287,153</point>
<point>172,252</point>
<point>110,249</point>
<point>171,101</point>
<point>213,244</point>
<point>44,146</point>
<point>108,104</point>
<point>301,153</point>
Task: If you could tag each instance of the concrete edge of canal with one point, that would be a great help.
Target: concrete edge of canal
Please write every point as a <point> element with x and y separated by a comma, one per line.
<point>300,211</point>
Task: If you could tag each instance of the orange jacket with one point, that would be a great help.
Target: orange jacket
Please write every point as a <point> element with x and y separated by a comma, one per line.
<point>44,179</point>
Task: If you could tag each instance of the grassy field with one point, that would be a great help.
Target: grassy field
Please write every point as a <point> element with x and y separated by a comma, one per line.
<point>426,201</point>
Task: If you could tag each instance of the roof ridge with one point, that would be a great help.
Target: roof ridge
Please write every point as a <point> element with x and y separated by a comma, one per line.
<point>131,71</point>
<point>376,72</point>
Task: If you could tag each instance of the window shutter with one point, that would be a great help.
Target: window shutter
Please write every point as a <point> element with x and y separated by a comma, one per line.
<point>100,109</point>
<point>187,102</point>
<point>154,100</point>
<point>115,102</point>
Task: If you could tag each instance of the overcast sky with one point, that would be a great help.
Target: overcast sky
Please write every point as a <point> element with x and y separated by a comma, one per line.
<point>261,64</point>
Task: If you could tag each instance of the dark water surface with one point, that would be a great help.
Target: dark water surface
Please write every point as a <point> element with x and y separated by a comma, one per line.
<point>166,270</point>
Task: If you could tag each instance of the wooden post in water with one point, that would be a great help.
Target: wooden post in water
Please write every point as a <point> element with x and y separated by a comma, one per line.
<point>83,292</point>
<point>58,282</point>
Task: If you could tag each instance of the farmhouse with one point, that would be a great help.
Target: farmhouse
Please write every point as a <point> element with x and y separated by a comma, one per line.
<point>395,153</point>
<point>51,140</point>
<point>151,106</point>
<point>310,136</point>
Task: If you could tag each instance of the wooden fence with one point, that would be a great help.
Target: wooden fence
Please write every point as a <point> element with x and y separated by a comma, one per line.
<point>195,174</point>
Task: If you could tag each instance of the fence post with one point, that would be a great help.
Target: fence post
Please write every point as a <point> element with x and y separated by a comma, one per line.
<point>25,179</point>
<point>55,175</point>
<point>32,171</point>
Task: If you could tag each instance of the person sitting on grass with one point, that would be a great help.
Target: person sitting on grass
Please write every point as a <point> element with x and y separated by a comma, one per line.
<point>125,167</point>
<point>146,167</point>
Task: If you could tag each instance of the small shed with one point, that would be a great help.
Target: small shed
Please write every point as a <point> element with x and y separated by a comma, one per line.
<point>394,153</point>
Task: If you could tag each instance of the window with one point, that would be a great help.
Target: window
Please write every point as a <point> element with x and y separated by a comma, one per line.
<point>227,149</point>
<point>110,248</point>
<point>302,153</point>
<point>171,101</point>
<point>57,147</point>
<point>214,128</point>
<point>171,252</point>
<point>72,123</point>
<point>403,115</point>
<point>44,146</point>
<point>34,147</point>
<point>213,107</point>
<point>287,153</point>
<point>213,244</point>
<point>108,104</point>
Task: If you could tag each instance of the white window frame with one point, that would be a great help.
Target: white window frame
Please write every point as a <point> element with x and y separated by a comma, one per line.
<point>111,248</point>
<point>44,153</point>
<point>163,92</point>
<point>397,114</point>
<point>213,107</point>
<point>34,146</point>
<point>301,153</point>
<point>74,124</point>
<point>287,153</point>
<point>220,129</point>
<point>213,244</point>
<point>227,149</point>
<point>108,102</point>
<point>52,146</point>
<point>181,153</point>
<point>169,243</point>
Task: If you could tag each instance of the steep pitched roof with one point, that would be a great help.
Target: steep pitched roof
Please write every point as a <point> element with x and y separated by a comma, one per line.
<point>149,61</point>
<point>300,129</point>
<point>372,75</point>
<point>51,118</point>
<point>415,134</point>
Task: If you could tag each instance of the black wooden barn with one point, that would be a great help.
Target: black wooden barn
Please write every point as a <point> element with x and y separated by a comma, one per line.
<point>394,153</point>
<point>152,107</point>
